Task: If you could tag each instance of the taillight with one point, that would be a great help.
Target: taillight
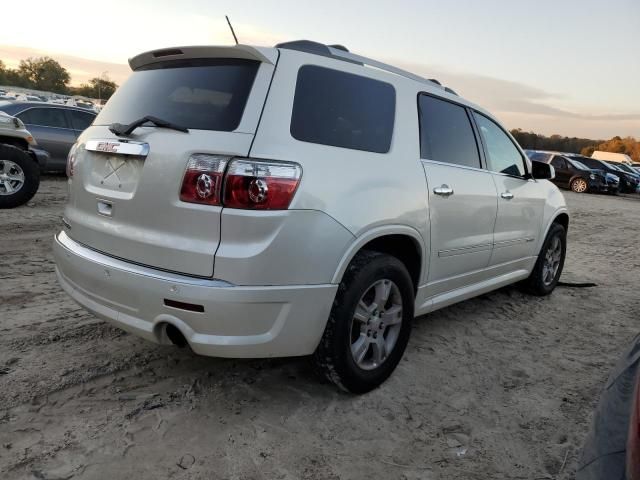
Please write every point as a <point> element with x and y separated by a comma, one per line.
<point>71,160</point>
<point>633,439</point>
<point>202,181</point>
<point>260,185</point>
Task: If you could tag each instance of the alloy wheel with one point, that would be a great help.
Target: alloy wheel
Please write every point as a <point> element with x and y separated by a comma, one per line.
<point>552,258</point>
<point>11,177</point>
<point>376,324</point>
<point>579,185</point>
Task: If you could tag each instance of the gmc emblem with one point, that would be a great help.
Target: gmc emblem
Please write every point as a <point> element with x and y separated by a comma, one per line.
<point>107,147</point>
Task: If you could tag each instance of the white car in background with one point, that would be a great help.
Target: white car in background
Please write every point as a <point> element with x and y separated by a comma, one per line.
<point>612,157</point>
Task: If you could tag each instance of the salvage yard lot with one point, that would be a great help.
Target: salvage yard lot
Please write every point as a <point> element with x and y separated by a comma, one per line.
<point>501,386</point>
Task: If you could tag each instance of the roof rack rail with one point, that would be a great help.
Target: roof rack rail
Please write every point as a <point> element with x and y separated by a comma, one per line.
<point>316,48</point>
<point>339,52</point>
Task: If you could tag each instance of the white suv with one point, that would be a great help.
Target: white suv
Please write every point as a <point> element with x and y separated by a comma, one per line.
<point>297,200</point>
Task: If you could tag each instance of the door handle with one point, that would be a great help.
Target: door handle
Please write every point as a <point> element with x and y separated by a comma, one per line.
<point>444,190</point>
<point>507,195</point>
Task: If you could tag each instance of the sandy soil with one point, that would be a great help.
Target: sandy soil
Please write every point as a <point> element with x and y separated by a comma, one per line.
<point>497,387</point>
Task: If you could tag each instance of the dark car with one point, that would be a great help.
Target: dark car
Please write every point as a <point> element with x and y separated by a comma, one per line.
<point>612,447</point>
<point>571,173</point>
<point>628,181</point>
<point>55,127</point>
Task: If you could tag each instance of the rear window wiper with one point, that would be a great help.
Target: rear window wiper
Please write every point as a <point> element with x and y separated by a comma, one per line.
<point>126,130</point>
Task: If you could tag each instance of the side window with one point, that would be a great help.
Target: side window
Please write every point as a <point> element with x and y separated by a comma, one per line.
<point>504,157</point>
<point>25,116</point>
<point>47,117</point>
<point>446,134</point>
<point>335,108</point>
<point>81,120</point>
<point>558,162</point>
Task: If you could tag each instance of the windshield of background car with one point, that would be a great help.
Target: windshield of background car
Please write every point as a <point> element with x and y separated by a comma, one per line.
<point>203,94</point>
<point>578,165</point>
<point>612,166</point>
<point>538,156</point>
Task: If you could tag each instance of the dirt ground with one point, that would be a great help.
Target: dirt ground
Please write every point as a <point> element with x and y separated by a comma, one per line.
<point>498,387</point>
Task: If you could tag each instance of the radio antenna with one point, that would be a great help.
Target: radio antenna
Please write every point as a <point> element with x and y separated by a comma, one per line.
<point>231,27</point>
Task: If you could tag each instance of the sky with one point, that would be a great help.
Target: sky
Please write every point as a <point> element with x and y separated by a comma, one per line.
<point>570,67</point>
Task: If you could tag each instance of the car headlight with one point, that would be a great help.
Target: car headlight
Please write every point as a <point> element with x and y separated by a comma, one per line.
<point>592,176</point>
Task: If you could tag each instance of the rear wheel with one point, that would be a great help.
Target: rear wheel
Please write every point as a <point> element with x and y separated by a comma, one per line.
<point>579,185</point>
<point>19,177</point>
<point>548,267</point>
<point>369,325</point>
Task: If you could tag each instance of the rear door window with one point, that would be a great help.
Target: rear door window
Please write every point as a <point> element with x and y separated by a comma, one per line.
<point>45,117</point>
<point>202,94</point>
<point>446,134</point>
<point>341,109</point>
<point>81,120</point>
<point>558,162</point>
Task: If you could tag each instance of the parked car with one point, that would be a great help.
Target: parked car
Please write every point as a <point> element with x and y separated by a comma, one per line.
<point>20,163</point>
<point>613,181</point>
<point>261,202</point>
<point>570,173</point>
<point>612,446</point>
<point>627,168</point>
<point>55,127</point>
<point>628,182</point>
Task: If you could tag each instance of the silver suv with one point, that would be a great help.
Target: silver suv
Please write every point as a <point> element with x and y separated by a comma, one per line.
<point>297,200</point>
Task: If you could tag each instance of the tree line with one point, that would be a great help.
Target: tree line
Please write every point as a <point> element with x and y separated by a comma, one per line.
<point>46,74</point>
<point>584,146</point>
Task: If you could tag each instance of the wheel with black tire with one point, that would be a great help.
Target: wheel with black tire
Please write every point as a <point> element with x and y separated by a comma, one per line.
<point>19,177</point>
<point>579,185</point>
<point>369,324</point>
<point>548,267</point>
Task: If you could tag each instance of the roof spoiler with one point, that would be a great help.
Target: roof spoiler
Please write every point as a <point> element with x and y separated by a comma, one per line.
<point>246,52</point>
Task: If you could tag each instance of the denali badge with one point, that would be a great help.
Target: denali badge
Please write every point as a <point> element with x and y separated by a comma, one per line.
<point>107,147</point>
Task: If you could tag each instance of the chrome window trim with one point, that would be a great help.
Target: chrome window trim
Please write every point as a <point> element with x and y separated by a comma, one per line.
<point>454,165</point>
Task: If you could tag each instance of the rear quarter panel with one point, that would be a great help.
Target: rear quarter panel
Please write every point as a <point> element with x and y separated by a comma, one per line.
<point>361,190</point>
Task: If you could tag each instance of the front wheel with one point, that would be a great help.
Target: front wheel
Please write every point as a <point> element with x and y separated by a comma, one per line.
<point>369,325</point>
<point>548,267</point>
<point>19,177</point>
<point>579,185</point>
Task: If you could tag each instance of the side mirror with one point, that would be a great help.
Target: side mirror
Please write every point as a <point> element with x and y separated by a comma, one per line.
<point>542,171</point>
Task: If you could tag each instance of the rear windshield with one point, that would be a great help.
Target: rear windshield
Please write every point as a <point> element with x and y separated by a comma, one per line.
<point>204,94</point>
<point>340,109</point>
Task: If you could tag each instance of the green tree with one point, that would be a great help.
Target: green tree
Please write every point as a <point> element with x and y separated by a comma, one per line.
<point>44,73</point>
<point>98,87</point>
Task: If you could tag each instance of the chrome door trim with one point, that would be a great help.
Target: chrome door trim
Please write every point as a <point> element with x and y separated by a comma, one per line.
<point>515,241</point>
<point>462,250</point>
<point>117,147</point>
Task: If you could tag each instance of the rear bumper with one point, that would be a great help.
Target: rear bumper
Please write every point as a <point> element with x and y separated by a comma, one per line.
<point>241,322</point>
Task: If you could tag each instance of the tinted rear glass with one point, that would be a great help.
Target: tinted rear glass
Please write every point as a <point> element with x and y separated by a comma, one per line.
<point>201,94</point>
<point>343,110</point>
<point>81,120</point>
